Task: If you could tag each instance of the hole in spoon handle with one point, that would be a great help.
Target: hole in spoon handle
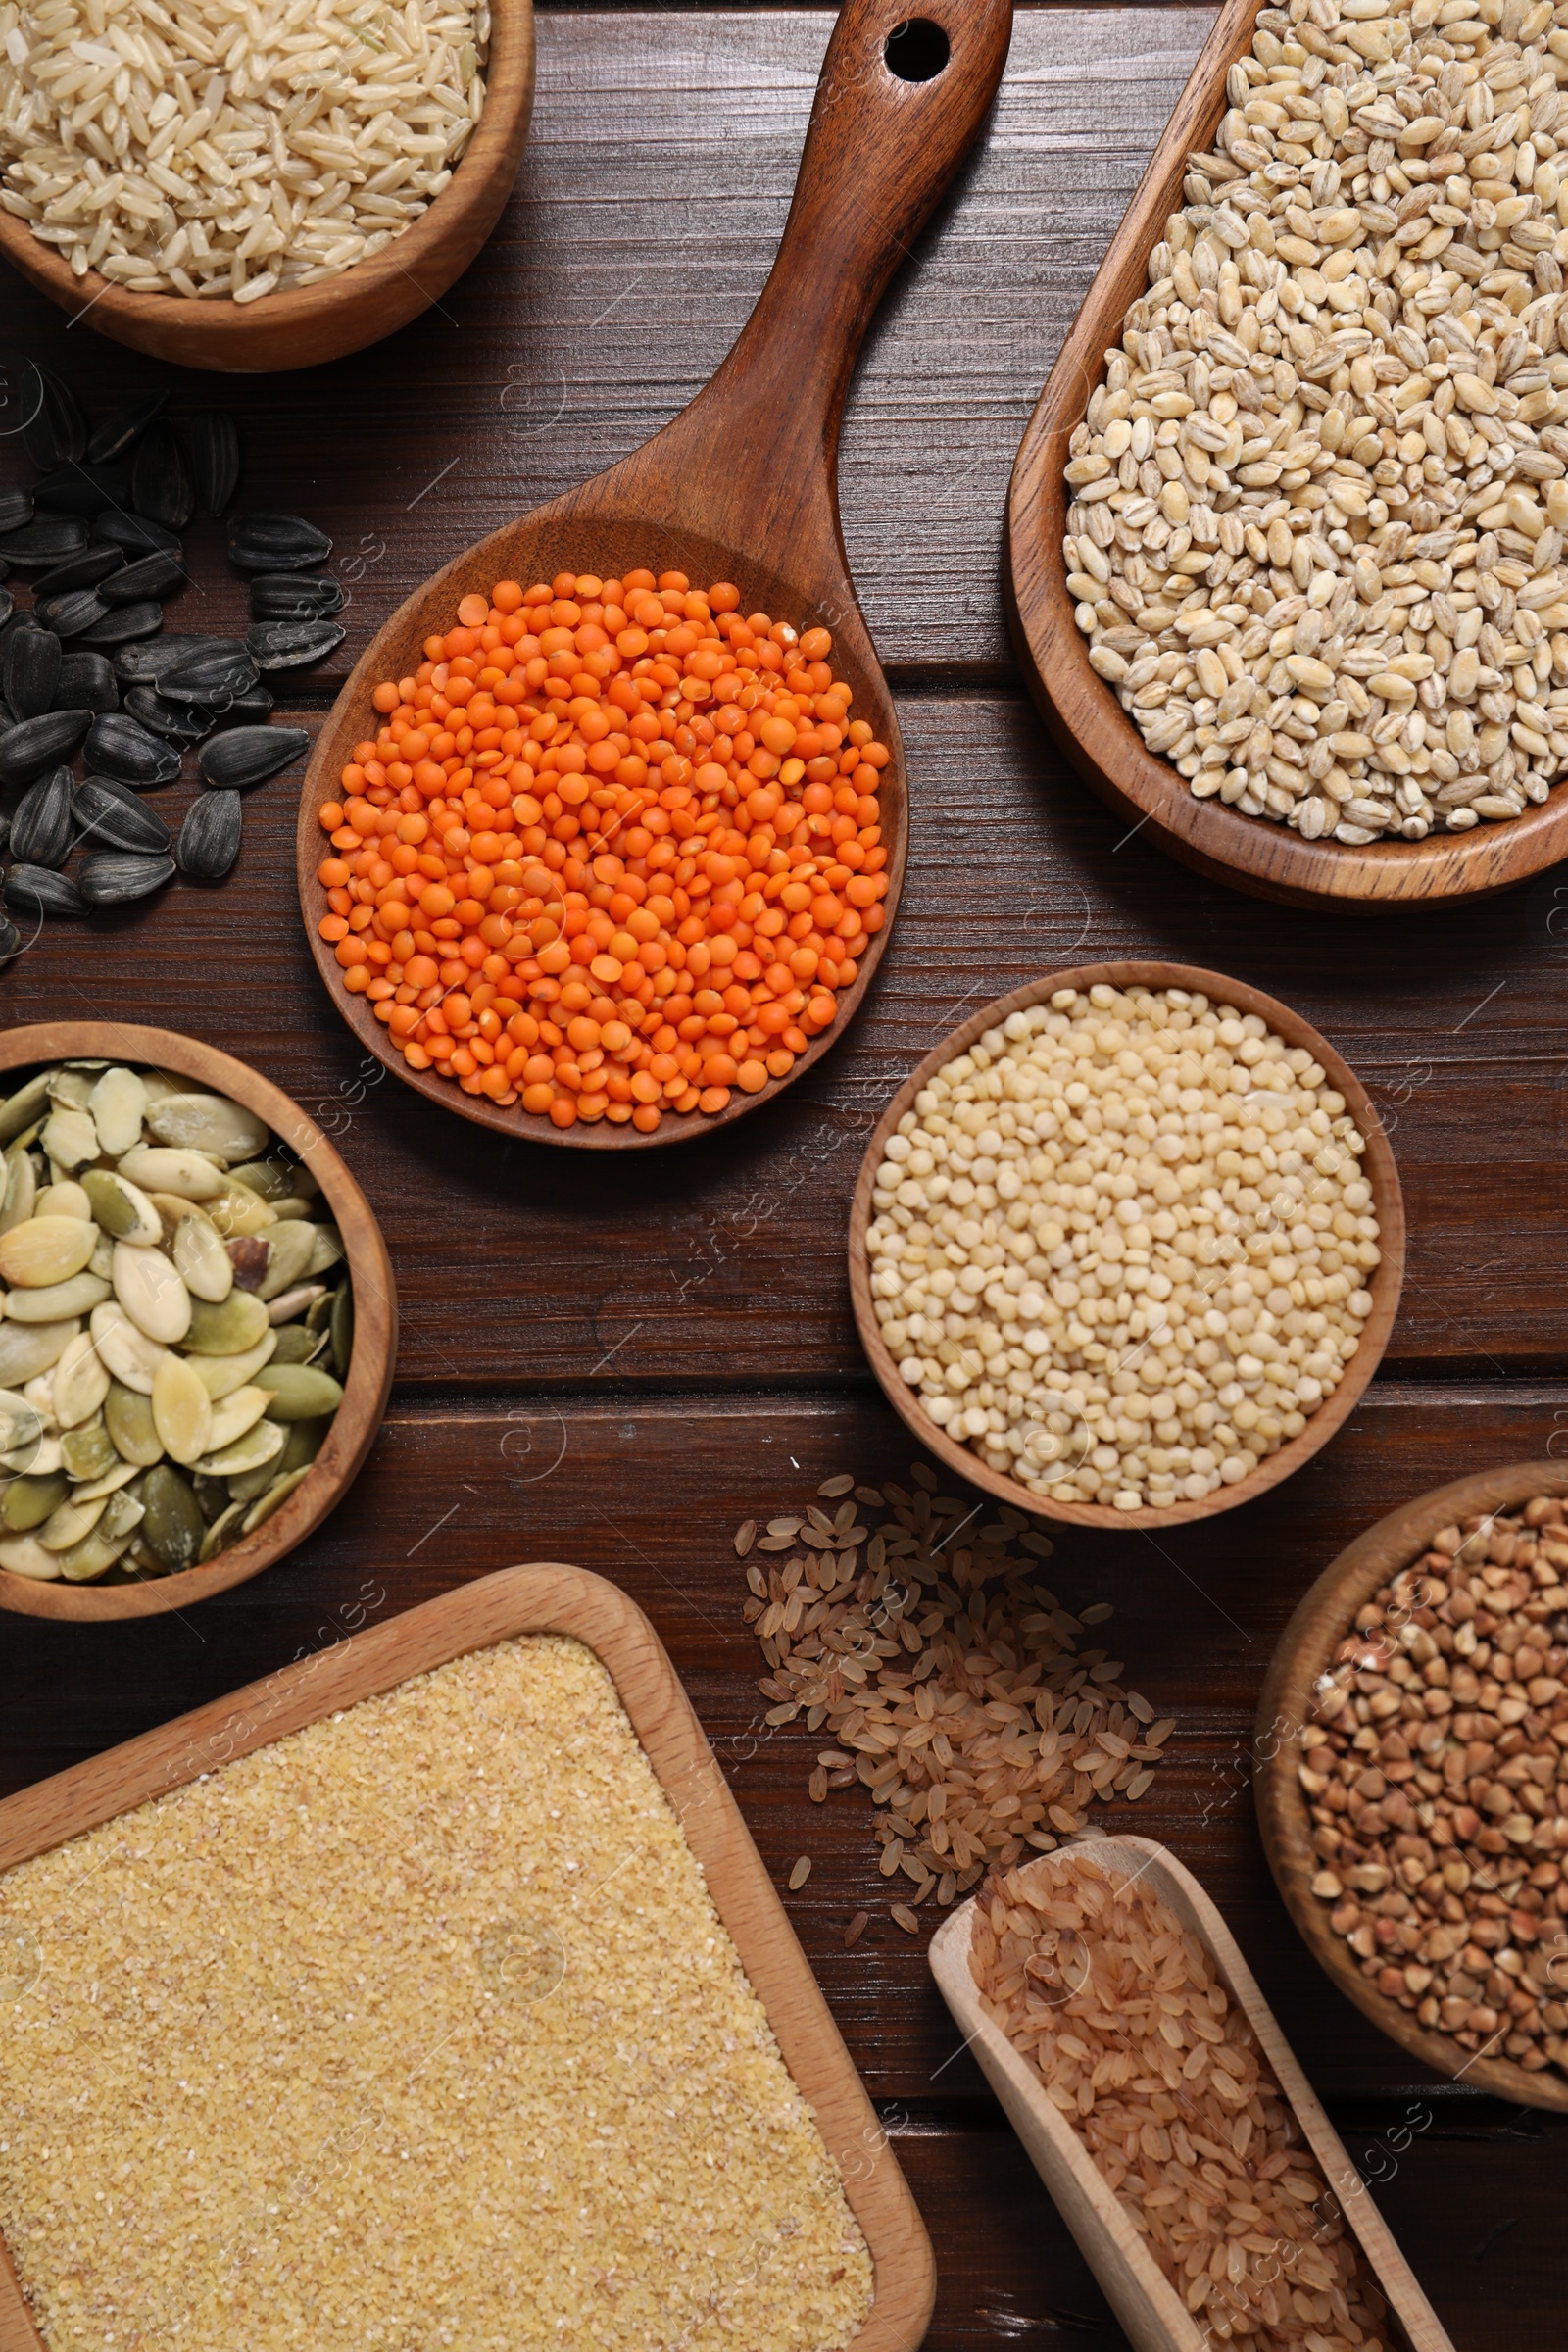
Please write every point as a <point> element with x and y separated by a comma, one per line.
<point>893,118</point>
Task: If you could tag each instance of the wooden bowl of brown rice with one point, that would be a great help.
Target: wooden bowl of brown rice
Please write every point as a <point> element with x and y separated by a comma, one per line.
<point>391,187</point>
<point>1092,1402</point>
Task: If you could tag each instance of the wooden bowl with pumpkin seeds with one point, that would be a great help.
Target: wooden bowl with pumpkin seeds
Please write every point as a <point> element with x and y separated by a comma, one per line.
<point>199,1322</point>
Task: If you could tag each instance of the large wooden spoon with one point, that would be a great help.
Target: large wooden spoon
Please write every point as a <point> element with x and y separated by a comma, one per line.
<point>742,486</point>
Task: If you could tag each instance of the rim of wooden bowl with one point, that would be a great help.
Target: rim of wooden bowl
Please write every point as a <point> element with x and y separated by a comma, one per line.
<point>338,314</point>
<point>1322,1619</point>
<point>376,1322</point>
<point>1248,853</point>
<point>608,544</point>
<point>1378,1166</point>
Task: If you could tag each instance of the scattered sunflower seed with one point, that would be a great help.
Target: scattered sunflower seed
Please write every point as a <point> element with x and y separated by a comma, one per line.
<point>143,664</point>
<point>269,542</point>
<point>160,485</point>
<point>246,755</point>
<point>119,431</point>
<point>119,624</point>
<point>32,890</point>
<point>292,644</point>
<point>87,570</point>
<point>42,825</point>
<point>69,614</point>
<point>31,671</point>
<point>157,574</point>
<point>138,535</point>
<point>292,596</point>
<point>86,681</point>
<point>47,539</point>
<point>114,877</point>
<point>210,836</point>
<point>176,722</point>
<point>211,677</point>
<point>111,813</point>
<point>118,746</point>
<point>86,490</point>
<point>54,430</point>
<point>34,743</point>
<point>212,446</point>
<point>16,509</point>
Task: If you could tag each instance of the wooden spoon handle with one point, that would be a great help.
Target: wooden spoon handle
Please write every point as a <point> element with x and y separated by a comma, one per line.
<point>879,151</point>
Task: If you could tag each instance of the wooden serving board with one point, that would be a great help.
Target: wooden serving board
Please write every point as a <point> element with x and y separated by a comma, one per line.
<point>544,1597</point>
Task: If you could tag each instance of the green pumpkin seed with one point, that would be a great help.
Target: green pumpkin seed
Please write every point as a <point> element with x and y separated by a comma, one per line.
<point>223,1531</point>
<point>328,1249</point>
<point>302,1442</point>
<point>278,1492</point>
<point>273,1178</point>
<point>173,1527</point>
<point>297,1346</point>
<point>26,1106</point>
<point>88,1453</point>
<point>128,1419</point>
<point>25,1555</point>
<point>202,1259</point>
<point>102,1546</point>
<point>46,1249</point>
<point>21,1188</point>
<point>289,1251</point>
<point>69,1138</point>
<point>259,1444</point>
<point>234,1416</point>
<point>77,1296</point>
<point>121,1207</point>
<point>110,1484</point>
<point>132,1356</point>
<point>150,1290</point>
<point>21,1417</point>
<point>208,1123</point>
<point>222,1375</point>
<point>68,1524</point>
<point>183,1410</point>
<point>300,1392</point>
<point>118,1106</point>
<point>246,1485</point>
<point>26,1503</point>
<point>81,1380</point>
<point>28,1348</point>
<point>186,1173</point>
<point>238,1212</point>
<point>63,1201</point>
<point>236,1323</point>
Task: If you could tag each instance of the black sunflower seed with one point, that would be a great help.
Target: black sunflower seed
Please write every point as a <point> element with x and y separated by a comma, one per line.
<point>86,681</point>
<point>40,822</point>
<point>83,489</point>
<point>47,539</point>
<point>212,446</point>
<point>34,743</point>
<point>293,596</point>
<point>247,756</point>
<point>209,839</point>
<point>138,535</point>
<point>16,509</point>
<point>113,435</point>
<point>157,574</point>
<point>141,664</point>
<point>275,543</point>
<point>176,722</point>
<point>114,877</point>
<point>160,484</point>
<point>87,570</point>
<point>213,678</point>
<point>54,429</point>
<point>117,746</point>
<point>10,938</point>
<point>32,890</point>
<point>69,614</point>
<point>248,709</point>
<point>33,671</point>
<point>122,623</point>
<point>111,814</point>
<point>292,644</point>
<point>8,605</point>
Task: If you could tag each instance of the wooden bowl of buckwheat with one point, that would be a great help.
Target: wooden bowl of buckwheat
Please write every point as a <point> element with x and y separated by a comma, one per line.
<point>1412,1746</point>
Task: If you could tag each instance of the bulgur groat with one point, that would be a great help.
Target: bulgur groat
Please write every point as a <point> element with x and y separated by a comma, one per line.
<point>416,2027</point>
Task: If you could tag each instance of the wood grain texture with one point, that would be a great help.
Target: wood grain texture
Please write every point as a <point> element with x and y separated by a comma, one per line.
<point>1387,1204</point>
<point>740,486</point>
<point>1326,1614</point>
<point>337,314</point>
<point>1148,2305</point>
<point>368,1381</point>
<point>547,1597</point>
<point>1083,712</point>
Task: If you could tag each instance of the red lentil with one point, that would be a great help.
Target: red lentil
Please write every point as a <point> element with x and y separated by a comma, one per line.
<point>614,851</point>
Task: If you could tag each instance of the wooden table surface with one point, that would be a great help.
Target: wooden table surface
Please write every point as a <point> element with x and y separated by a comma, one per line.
<point>613,1361</point>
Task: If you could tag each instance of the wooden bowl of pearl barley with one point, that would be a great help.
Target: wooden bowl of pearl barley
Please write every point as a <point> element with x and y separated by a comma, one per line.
<point>1126,1248</point>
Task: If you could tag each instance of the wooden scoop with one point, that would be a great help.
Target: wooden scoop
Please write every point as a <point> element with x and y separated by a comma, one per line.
<point>743,484</point>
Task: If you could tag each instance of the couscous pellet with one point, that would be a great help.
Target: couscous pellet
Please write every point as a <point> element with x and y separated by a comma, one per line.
<point>417,2027</point>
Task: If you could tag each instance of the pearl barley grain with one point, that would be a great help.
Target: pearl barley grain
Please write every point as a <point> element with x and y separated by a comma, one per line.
<point>1318,504</point>
<point>1120,1247</point>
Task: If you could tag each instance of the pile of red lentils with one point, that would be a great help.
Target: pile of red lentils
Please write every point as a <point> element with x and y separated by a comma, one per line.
<point>615,850</point>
